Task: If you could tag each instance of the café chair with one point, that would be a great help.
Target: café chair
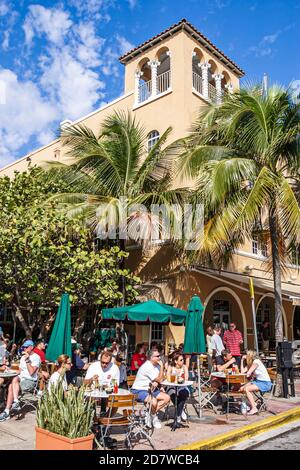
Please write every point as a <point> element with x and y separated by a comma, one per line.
<point>262,399</point>
<point>130,420</point>
<point>232,396</point>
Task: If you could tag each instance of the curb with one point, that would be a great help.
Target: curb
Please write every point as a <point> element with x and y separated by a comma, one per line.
<point>223,441</point>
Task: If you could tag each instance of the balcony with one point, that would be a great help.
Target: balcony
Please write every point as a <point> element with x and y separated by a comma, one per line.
<point>198,87</point>
<point>146,90</point>
<point>163,82</point>
<point>197,82</point>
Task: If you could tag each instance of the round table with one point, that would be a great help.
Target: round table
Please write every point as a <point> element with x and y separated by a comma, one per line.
<point>102,394</point>
<point>8,375</point>
<point>175,425</point>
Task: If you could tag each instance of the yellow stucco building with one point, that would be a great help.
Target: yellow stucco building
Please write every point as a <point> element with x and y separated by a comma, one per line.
<point>167,79</point>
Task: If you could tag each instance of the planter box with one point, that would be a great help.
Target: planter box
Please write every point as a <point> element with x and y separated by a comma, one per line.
<point>46,440</point>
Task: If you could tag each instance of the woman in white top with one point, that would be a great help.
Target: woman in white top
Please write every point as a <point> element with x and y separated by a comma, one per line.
<point>177,369</point>
<point>64,365</point>
<point>260,379</point>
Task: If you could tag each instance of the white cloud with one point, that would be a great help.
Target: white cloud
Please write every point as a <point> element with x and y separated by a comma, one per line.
<point>5,43</point>
<point>96,9</point>
<point>124,44</point>
<point>4,8</point>
<point>24,115</point>
<point>66,80</point>
<point>264,47</point>
<point>73,88</point>
<point>132,3</point>
<point>53,23</point>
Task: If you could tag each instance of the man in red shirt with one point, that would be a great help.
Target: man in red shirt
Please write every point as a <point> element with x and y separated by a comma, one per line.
<point>232,340</point>
<point>40,349</point>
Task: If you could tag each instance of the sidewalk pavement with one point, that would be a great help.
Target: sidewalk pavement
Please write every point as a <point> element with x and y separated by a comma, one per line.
<point>20,434</point>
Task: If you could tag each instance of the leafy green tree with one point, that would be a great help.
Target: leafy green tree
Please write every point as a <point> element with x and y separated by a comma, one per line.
<point>43,253</point>
<point>245,156</point>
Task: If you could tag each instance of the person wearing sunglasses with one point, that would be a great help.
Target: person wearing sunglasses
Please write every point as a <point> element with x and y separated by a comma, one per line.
<point>64,365</point>
<point>232,340</point>
<point>147,387</point>
<point>103,370</point>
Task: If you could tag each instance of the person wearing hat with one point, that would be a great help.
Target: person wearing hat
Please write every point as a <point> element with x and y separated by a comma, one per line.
<point>26,380</point>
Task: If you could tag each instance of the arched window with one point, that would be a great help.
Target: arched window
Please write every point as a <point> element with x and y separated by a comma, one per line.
<point>153,137</point>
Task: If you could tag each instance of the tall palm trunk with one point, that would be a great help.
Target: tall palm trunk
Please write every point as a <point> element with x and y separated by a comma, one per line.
<point>274,235</point>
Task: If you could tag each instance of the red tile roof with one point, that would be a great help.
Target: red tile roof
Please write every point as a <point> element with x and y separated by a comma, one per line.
<point>190,29</point>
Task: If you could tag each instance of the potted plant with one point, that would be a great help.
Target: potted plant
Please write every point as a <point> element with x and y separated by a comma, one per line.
<point>64,420</point>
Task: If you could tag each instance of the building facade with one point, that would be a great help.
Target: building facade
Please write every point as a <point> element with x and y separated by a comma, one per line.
<point>167,80</point>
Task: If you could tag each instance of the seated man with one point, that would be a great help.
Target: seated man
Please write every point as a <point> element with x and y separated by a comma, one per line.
<point>27,379</point>
<point>150,376</point>
<point>225,361</point>
<point>103,370</point>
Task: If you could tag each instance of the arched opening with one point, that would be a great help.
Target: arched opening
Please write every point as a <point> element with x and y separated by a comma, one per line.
<point>223,306</point>
<point>153,138</point>
<point>145,80</point>
<point>296,323</point>
<point>225,82</point>
<point>265,312</point>
<point>212,94</point>
<point>163,70</point>
<point>197,72</point>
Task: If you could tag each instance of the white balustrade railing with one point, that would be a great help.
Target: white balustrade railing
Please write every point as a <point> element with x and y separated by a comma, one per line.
<point>212,92</point>
<point>144,91</point>
<point>163,82</point>
<point>197,82</point>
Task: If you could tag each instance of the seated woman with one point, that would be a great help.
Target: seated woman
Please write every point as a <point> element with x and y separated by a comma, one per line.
<point>260,378</point>
<point>179,369</point>
<point>138,358</point>
<point>64,365</point>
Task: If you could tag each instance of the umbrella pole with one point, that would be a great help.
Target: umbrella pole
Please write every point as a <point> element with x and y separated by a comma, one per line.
<point>150,334</point>
<point>199,387</point>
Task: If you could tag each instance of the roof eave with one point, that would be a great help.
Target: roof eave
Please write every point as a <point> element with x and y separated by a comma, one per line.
<point>183,25</point>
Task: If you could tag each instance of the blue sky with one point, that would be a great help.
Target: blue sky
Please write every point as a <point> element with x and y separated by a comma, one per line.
<point>59,60</point>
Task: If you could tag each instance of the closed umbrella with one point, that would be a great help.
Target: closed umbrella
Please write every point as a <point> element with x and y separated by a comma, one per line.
<point>60,340</point>
<point>194,340</point>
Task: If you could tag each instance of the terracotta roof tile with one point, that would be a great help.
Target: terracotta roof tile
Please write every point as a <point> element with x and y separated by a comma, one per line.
<point>182,24</point>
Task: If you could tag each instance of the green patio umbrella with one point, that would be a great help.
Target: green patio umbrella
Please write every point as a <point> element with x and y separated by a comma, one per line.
<point>60,340</point>
<point>151,310</point>
<point>194,340</point>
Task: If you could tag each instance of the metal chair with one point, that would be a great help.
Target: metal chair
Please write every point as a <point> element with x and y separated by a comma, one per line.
<point>261,398</point>
<point>232,396</point>
<point>131,420</point>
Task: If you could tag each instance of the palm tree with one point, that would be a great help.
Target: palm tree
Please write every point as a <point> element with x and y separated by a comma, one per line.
<point>245,157</point>
<point>115,166</point>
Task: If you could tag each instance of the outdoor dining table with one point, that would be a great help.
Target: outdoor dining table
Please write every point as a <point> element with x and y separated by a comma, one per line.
<point>187,383</point>
<point>102,394</point>
<point>8,375</point>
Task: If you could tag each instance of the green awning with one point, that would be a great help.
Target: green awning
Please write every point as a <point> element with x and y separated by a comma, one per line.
<point>151,310</point>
